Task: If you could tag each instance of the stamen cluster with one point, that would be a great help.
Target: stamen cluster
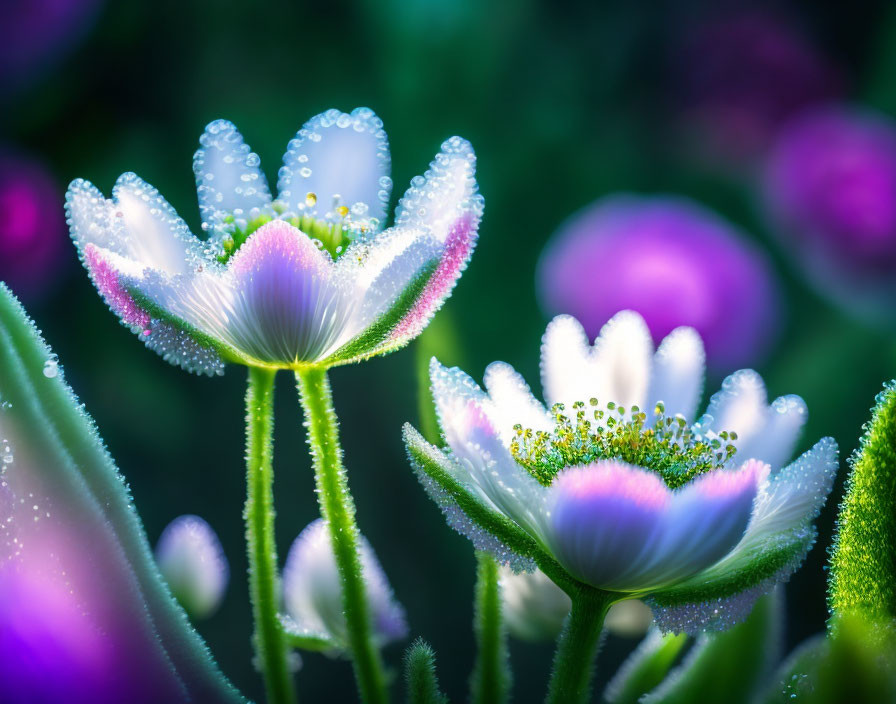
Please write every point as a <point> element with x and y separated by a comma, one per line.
<point>667,446</point>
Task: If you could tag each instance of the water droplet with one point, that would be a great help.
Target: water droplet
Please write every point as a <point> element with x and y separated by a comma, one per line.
<point>51,367</point>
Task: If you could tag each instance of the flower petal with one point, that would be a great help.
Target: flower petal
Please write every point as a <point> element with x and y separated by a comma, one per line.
<point>229,179</point>
<point>275,304</point>
<point>678,368</point>
<point>191,560</point>
<point>617,369</point>
<point>618,527</point>
<point>767,433</point>
<point>312,590</point>
<point>446,193</point>
<point>342,159</point>
<point>137,223</point>
<point>463,410</point>
<point>513,402</point>
<point>777,539</point>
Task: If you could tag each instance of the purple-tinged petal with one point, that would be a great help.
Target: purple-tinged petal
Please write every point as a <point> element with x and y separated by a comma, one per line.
<point>338,159</point>
<point>229,179</point>
<point>288,309</point>
<point>107,278</point>
<point>192,561</point>
<point>459,246</point>
<point>464,413</point>
<point>312,591</point>
<point>619,527</point>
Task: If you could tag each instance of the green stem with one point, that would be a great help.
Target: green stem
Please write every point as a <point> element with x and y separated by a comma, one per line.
<point>491,676</point>
<point>264,582</point>
<point>577,647</point>
<point>338,510</point>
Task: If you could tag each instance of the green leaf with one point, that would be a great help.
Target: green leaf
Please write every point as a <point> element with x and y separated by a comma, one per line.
<point>420,674</point>
<point>727,667</point>
<point>86,532</point>
<point>863,558</point>
<point>645,668</point>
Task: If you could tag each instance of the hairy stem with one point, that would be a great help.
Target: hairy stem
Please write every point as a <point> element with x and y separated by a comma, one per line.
<point>264,582</point>
<point>577,648</point>
<point>491,676</point>
<point>338,509</point>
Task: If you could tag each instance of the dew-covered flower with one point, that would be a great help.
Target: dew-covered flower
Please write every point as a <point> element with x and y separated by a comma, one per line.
<point>671,260</point>
<point>534,608</point>
<point>312,594</point>
<point>192,561</point>
<point>830,191</point>
<point>33,244</point>
<point>310,278</point>
<point>84,614</point>
<point>617,485</point>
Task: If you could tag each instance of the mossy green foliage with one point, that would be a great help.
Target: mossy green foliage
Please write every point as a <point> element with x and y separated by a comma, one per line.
<point>726,667</point>
<point>666,446</point>
<point>855,663</point>
<point>863,557</point>
<point>420,674</point>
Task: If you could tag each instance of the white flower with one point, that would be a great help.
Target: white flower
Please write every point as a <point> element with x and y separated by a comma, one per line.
<point>192,561</point>
<point>698,519</point>
<point>312,593</point>
<point>309,278</point>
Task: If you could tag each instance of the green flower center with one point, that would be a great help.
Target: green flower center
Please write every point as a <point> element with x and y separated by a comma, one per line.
<point>333,233</point>
<point>669,446</point>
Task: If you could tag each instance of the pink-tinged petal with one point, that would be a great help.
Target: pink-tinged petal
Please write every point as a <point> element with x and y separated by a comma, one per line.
<point>287,306</point>
<point>229,179</point>
<point>343,159</point>
<point>445,193</point>
<point>464,417</point>
<point>619,527</point>
<point>107,279</point>
<point>458,248</point>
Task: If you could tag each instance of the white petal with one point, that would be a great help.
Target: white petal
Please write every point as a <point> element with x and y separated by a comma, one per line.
<point>312,589</point>
<point>463,410</point>
<point>739,406</point>
<point>445,193</point>
<point>229,179</point>
<point>191,559</point>
<point>513,402</point>
<point>616,369</point>
<point>767,433</point>
<point>533,607</point>
<point>343,159</point>
<point>678,368</point>
<point>138,224</point>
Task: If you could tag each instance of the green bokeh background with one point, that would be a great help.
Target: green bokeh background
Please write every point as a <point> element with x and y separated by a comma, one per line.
<point>563,103</point>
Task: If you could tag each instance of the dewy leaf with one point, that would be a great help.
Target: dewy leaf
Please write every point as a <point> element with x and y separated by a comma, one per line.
<point>728,666</point>
<point>84,613</point>
<point>863,559</point>
<point>645,668</point>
